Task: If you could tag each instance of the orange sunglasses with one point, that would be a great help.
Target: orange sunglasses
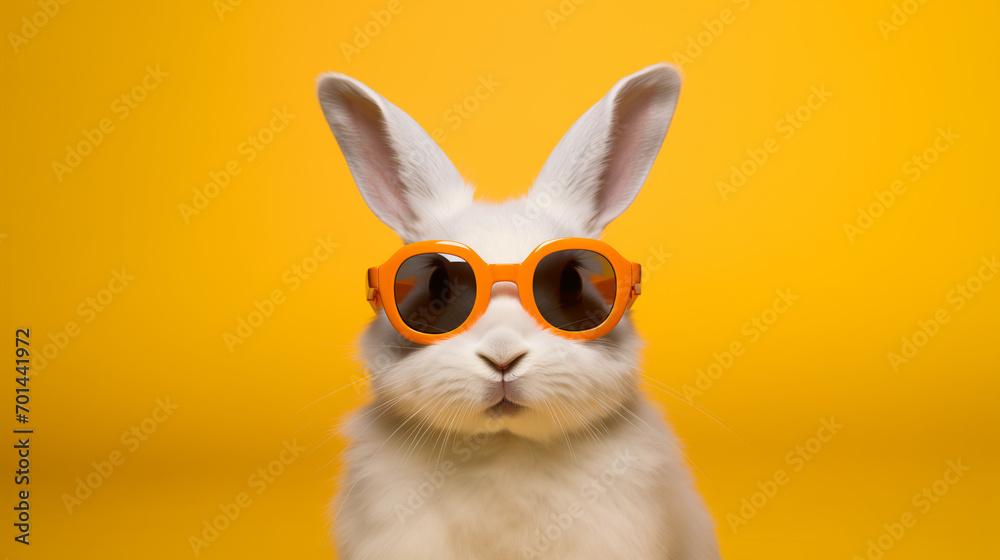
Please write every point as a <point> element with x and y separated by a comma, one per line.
<point>577,287</point>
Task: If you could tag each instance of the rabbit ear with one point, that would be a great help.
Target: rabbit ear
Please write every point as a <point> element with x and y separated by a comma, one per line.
<point>401,172</point>
<point>598,167</point>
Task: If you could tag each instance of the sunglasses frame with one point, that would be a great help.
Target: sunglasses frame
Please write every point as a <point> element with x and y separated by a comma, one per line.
<point>627,284</point>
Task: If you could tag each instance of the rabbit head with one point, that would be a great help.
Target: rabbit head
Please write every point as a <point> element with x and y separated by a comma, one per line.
<point>506,372</point>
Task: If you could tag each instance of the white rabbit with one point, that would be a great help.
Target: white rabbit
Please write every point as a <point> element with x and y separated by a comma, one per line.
<point>587,468</point>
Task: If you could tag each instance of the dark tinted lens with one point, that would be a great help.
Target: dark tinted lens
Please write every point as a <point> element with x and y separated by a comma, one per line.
<point>574,289</point>
<point>435,292</point>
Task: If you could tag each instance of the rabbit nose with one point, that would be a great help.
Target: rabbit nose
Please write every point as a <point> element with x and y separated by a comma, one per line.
<point>504,364</point>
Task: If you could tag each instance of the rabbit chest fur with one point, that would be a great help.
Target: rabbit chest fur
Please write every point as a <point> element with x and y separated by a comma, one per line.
<point>620,492</point>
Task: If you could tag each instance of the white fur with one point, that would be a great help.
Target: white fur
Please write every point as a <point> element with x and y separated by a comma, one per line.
<point>430,475</point>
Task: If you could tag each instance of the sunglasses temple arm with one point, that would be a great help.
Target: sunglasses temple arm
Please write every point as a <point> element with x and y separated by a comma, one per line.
<point>374,297</point>
<point>636,284</point>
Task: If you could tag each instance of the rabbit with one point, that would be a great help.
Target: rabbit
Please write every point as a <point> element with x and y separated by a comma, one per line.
<point>583,466</point>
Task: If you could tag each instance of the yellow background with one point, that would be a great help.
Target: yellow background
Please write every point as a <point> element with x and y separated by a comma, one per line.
<point>827,356</point>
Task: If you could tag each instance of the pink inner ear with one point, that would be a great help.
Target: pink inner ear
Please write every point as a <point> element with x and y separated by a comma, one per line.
<point>377,159</point>
<point>634,127</point>
<point>618,176</point>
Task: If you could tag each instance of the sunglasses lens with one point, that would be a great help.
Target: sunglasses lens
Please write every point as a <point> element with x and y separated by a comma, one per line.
<point>574,289</point>
<point>435,292</point>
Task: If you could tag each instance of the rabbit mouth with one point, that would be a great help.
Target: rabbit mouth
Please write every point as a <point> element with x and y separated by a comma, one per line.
<point>504,408</point>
